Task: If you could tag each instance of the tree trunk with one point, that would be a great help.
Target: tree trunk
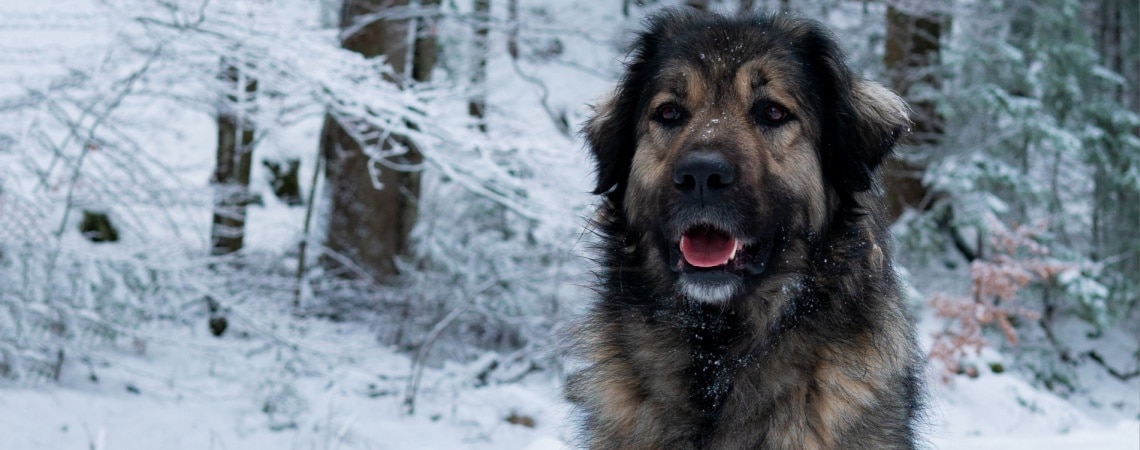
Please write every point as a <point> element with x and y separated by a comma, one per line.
<point>1116,204</point>
<point>913,55</point>
<point>513,28</point>
<point>477,104</point>
<point>371,226</point>
<point>423,60</point>
<point>234,156</point>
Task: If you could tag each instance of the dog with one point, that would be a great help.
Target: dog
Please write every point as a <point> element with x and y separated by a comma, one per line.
<point>747,298</point>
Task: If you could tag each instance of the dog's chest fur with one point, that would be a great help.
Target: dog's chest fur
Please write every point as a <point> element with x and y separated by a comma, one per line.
<point>703,382</point>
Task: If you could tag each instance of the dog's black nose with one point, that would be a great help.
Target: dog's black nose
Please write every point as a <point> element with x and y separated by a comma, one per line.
<point>703,176</point>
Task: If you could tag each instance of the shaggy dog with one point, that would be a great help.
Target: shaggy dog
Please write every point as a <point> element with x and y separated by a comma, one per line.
<point>747,295</point>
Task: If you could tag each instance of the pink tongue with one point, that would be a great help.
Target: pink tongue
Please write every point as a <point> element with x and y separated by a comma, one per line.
<point>707,247</point>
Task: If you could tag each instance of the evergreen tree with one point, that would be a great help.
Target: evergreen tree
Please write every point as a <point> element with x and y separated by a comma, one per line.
<point>1040,133</point>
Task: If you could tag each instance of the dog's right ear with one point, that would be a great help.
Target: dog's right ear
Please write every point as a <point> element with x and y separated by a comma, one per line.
<point>612,132</point>
<point>611,135</point>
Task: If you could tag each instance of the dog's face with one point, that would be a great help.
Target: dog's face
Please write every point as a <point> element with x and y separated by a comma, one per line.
<point>728,138</point>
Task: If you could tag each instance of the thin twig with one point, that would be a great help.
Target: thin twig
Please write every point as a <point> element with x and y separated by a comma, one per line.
<point>305,233</point>
<point>429,342</point>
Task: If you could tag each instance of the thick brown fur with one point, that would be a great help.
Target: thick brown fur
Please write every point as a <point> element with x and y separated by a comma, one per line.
<point>808,346</point>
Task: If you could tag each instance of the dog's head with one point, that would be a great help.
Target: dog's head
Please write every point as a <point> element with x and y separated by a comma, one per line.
<point>726,136</point>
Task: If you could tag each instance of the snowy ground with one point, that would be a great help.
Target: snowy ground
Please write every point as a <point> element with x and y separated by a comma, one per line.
<point>196,392</point>
<point>339,390</point>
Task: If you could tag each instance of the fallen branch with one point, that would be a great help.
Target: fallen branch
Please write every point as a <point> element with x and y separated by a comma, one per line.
<point>1099,360</point>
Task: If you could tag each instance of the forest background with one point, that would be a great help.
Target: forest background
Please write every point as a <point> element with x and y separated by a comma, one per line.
<point>364,223</point>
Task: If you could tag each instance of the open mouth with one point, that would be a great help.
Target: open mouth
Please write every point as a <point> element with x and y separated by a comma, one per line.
<point>707,247</point>
<point>704,248</point>
<point>713,264</point>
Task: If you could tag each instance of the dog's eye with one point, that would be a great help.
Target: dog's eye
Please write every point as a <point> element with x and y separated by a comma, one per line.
<point>771,114</point>
<point>775,113</point>
<point>669,114</point>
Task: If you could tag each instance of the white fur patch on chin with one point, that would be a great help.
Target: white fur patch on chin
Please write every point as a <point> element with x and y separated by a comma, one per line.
<point>708,292</point>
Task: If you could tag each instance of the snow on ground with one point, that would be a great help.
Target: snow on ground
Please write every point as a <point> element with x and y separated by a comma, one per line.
<point>189,390</point>
<point>184,389</point>
<point>1003,411</point>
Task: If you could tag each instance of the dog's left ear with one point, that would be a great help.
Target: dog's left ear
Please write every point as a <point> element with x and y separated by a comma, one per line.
<point>882,118</point>
<point>867,121</point>
<point>862,120</point>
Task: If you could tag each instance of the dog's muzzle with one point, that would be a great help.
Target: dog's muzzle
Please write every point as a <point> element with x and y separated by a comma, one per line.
<point>708,251</point>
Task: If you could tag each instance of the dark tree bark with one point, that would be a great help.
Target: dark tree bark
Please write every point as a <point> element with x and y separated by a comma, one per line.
<point>513,28</point>
<point>234,156</point>
<point>423,59</point>
<point>477,104</point>
<point>372,226</point>
<point>913,54</point>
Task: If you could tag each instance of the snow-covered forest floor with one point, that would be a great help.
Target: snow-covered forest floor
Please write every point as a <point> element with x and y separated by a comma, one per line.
<point>338,390</point>
<point>277,381</point>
